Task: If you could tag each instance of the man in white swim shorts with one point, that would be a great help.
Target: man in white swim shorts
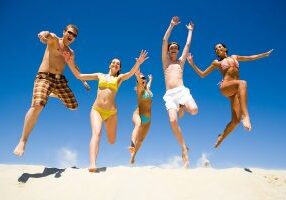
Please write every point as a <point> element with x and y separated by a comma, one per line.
<point>178,98</point>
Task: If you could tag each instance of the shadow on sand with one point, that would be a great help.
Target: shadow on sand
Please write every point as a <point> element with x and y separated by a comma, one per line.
<point>101,169</point>
<point>47,171</point>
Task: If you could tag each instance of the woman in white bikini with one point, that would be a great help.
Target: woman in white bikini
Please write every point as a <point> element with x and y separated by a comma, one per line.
<point>231,86</point>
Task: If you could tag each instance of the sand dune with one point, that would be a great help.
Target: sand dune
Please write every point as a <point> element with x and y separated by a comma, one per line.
<point>26,182</point>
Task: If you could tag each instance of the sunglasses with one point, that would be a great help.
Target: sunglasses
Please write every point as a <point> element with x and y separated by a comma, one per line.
<point>72,33</point>
<point>143,78</point>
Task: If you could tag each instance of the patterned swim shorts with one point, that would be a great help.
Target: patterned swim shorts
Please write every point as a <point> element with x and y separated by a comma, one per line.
<point>47,83</point>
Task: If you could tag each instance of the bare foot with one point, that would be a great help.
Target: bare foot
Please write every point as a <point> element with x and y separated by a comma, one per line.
<point>92,169</point>
<point>20,148</point>
<point>181,111</point>
<point>218,141</point>
<point>246,123</point>
<point>185,157</point>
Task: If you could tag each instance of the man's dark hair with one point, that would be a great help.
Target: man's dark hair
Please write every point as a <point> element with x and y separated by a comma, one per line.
<point>72,26</point>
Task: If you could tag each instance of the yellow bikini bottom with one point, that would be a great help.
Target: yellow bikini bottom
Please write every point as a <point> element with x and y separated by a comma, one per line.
<point>104,113</point>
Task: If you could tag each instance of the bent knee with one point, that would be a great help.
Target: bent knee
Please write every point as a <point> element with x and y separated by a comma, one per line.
<point>96,135</point>
<point>235,121</point>
<point>111,138</point>
<point>73,107</point>
<point>194,111</point>
<point>243,83</point>
<point>112,141</point>
<point>173,119</point>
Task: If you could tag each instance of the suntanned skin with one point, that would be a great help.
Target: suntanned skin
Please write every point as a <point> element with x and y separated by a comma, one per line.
<point>173,70</point>
<point>54,60</point>
<point>106,100</point>
<point>231,87</point>
<point>144,108</point>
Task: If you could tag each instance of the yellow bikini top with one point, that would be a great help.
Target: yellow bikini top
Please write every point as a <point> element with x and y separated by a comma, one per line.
<point>112,84</point>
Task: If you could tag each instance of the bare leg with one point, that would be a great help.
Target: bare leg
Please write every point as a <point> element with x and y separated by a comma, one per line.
<point>96,124</point>
<point>29,123</point>
<point>144,128</point>
<point>181,111</point>
<point>111,126</point>
<point>132,157</point>
<point>235,119</point>
<point>136,121</point>
<point>185,157</point>
<point>142,133</point>
<point>230,88</point>
<point>178,134</point>
<point>243,103</point>
<point>192,108</point>
<point>135,134</point>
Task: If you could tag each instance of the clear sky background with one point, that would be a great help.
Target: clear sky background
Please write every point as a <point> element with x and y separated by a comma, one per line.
<point>109,29</point>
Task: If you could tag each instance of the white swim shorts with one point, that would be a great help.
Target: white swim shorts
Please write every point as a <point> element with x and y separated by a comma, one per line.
<point>178,96</point>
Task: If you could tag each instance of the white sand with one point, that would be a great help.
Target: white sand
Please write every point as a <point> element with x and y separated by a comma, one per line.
<point>146,183</point>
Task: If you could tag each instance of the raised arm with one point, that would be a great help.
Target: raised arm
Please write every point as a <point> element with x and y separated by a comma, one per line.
<point>201,73</point>
<point>142,57</point>
<point>254,57</point>
<point>175,21</point>
<point>137,75</point>
<point>190,27</point>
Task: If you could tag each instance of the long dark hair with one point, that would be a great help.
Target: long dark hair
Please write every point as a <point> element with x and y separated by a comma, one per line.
<point>222,44</point>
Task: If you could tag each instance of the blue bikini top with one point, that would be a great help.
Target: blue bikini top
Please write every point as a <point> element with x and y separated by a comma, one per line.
<point>147,95</point>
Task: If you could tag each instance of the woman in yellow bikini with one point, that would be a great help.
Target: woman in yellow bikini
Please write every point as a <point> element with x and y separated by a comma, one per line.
<point>104,108</point>
<point>142,114</point>
<point>231,86</point>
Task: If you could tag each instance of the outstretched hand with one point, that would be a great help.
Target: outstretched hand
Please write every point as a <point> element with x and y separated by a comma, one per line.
<point>269,52</point>
<point>43,39</point>
<point>42,36</point>
<point>175,20</point>
<point>142,57</point>
<point>190,59</point>
<point>190,26</point>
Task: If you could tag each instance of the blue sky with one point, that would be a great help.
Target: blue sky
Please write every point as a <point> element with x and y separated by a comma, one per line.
<point>121,29</point>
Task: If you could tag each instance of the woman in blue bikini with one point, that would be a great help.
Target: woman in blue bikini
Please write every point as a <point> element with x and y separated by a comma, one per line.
<point>231,86</point>
<point>142,114</point>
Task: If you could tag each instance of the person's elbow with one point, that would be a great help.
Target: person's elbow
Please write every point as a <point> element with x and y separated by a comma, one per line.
<point>78,75</point>
<point>203,74</point>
